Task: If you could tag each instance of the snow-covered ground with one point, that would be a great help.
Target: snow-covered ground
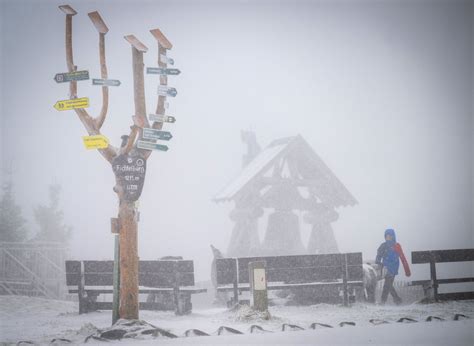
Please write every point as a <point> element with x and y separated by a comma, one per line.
<point>41,320</point>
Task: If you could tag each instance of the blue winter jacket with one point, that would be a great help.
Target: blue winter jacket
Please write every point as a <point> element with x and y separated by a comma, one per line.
<point>387,254</point>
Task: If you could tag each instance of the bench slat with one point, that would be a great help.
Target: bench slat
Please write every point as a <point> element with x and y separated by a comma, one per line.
<point>442,256</point>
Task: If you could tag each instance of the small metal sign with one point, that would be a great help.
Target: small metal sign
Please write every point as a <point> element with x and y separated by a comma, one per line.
<point>151,146</point>
<point>95,142</point>
<point>161,118</point>
<point>153,134</point>
<point>163,71</point>
<point>65,105</point>
<point>71,76</point>
<point>164,90</point>
<point>166,59</point>
<point>106,82</point>
<point>130,172</point>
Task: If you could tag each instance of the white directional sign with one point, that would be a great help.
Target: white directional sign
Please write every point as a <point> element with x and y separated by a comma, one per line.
<point>151,146</point>
<point>163,71</point>
<point>106,82</point>
<point>166,60</point>
<point>153,134</point>
<point>164,90</point>
<point>161,118</point>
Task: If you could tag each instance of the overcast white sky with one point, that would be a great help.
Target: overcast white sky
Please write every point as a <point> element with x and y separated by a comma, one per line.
<point>381,90</point>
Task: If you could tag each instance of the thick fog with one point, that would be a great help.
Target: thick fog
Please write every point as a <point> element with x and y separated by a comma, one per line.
<point>382,91</point>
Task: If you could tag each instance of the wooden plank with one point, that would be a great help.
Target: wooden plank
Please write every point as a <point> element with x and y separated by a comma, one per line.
<point>68,10</point>
<point>162,40</point>
<point>73,273</point>
<point>452,255</point>
<point>225,270</point>
<point>456,296</point>
<point>136,43</point>
<point>98,22</point>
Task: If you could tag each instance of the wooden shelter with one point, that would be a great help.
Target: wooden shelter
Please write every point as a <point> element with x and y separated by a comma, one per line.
<point>285,176</point>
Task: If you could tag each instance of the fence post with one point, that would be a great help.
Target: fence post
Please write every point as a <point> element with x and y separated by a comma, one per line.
<point>434,281</point>
<point>116,297</point>
<point>344,279</point>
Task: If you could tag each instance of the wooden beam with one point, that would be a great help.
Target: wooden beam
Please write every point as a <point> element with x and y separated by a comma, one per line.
<point>68,10</point>
<point>98,22</point>
<point>162,40</point>
<point>136,43</point>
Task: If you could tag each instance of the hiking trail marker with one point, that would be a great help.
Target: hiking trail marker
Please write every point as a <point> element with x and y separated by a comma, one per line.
<point>71,76</point>
<point>161,118</point>
<point>152,134</point>
<point>95,142</point>
<point>106,82</point>
<point>166,59</point>
<point>130,170</point>
<point>164,90</point>
<point>66,105</point>
<point>147,145</point>
<point>163,71</point>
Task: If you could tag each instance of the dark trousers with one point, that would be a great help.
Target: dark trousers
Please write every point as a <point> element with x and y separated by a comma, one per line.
<point>388,288</point>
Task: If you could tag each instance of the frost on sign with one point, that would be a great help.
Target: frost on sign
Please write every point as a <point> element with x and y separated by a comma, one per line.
<point>130,172</point>
<point>259,280</point>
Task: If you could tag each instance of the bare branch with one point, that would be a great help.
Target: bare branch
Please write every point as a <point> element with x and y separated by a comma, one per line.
<point>102,29</point>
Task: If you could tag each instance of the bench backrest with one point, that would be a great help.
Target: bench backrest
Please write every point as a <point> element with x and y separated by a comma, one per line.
<point>293,269</point>
<point>442,256</point>
<point>159,274</point>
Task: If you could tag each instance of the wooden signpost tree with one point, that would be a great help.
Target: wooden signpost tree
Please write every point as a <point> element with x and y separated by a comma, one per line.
<point>129,161</point>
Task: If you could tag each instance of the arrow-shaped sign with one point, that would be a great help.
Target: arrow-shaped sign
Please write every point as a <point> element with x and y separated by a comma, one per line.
<point>166,60</point>
<point>153,134</point>
<point>151,146</point>
<point>71,76</point>
<point>163,71</point>
<point>106,82</point>
<point>95,142</point>
<point>161,118</point>
<point>163,90</point>
<point>65,105</point>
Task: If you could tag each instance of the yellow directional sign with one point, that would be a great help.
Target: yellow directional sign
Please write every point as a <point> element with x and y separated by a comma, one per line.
<point>65,105</point>
<point>95,142</point>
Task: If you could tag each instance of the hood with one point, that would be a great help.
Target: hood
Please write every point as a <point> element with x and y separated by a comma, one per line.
<point>392,233</point>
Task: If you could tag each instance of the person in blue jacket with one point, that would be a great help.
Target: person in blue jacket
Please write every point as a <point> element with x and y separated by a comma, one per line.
<point>389,254</point>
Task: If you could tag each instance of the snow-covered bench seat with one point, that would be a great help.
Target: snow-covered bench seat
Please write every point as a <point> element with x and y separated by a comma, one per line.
<point>172,281</point>
<point>430,286</point>
<point>294,272</point>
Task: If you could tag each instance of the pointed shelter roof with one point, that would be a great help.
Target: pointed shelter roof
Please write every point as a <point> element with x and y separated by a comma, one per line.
<point>309,168</point>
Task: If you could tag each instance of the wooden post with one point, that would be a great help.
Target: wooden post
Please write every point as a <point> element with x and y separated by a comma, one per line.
<point>258,285</point>
<point>344,278</point>
<point>236,282</point>
<point>434,281</point>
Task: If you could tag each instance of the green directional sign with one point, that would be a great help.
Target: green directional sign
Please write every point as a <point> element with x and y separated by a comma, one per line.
<point>153,134</point>
<point>163,71</point>
<point>106,82</point>
<point>71,76</point>
<point>151,146</point>
<point>161,118</point>
<point>164,90</point>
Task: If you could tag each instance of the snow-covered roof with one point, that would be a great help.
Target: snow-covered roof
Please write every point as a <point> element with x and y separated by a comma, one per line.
<point>311,170</point>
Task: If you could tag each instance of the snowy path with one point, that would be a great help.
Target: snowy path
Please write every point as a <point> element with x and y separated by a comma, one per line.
<point>41,320</point>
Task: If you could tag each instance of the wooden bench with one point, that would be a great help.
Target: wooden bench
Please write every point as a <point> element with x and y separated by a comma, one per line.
<point>172,279</point>
<point>442,256</point>
<point>294,272</point>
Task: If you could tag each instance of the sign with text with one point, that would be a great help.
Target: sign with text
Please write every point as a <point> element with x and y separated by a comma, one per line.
<point>106,82</point>
<point>66,105</point>
<point>163,71</point>
<point>161,118</point>
<point>95,142</point>
<point>153,134</point>
<point>71,76</point>
<point>151,146</point>
<point>130,172</point>
<point>164,90</point>
<point>166,59</point>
